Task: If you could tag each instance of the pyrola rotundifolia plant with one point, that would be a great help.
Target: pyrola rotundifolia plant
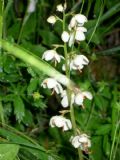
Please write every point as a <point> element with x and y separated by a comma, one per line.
<point>74,32</point>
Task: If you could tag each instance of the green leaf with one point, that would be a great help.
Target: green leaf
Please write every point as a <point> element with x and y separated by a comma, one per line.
<point>97,153</point>
<point>8,151</point>
<point>9,64</point>
<point>17,137</point>
<point>19,108</point>
<point>49,38</point>
<point>28,118</point>
<point>103,129</point>
<point>106,145</point>
<point>32,85</point>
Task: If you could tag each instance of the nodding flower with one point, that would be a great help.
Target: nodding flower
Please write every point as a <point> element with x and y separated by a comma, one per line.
<point>81,141</point>
<point>51,83</point>
<point>65,36</point>
<point>52,19</point>
<point>61,8</point>
<point>52,55</point>
<point>61,122</point>
<point>77,20</point>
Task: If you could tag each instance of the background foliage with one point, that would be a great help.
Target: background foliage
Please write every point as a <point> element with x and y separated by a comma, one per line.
<point>25,108</point>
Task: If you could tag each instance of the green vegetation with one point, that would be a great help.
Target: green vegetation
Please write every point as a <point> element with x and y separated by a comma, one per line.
<point>26,107</point>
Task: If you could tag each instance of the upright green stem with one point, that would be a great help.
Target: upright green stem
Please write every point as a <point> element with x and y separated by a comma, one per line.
<point>69,92</point>
<point>82,6</point>
<point>8,6</point>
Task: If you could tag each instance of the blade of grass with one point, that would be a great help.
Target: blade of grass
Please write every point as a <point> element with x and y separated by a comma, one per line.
<point>110,12</point>
<point>110,51</point>
<point>96,25</point>
<point>1,17</point>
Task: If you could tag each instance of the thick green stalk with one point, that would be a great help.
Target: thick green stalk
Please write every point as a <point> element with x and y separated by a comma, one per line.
<point>36,62</point>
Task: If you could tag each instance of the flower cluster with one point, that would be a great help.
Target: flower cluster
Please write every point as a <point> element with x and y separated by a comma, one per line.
<point>74,32</point>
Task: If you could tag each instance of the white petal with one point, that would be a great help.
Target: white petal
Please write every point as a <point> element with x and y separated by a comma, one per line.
<point>67,125</point>
<point>71,39</point>
<point>43,85</point>
<point>83,138</point>
<point>79,99</point>
<point>79,36</point>
<point>72,23</point>
<point>81,19</point>
<point>51,19</point>
<point>48,55</point>
<point>57,57</point>
<point>61,8</point>
<point>65,36</point>
<point>51,83</point>
<point>58,89</point>
<point>82,29</point>
<point>59,121</point>
<point>88,95</point>
<point>80,60</point>
<point>64,101</point>
<point>75,142</point>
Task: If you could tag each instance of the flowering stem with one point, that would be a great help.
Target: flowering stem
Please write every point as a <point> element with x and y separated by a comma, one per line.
<point>72,115</point>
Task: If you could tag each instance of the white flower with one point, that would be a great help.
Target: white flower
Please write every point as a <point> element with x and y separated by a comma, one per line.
<point>77,20</point>
<point>81,141</point>
<point>61,8</point>
<point>52,55</point>
<point>72,24</point>
<point>79,61</point>
<point>81,19</point>
<point>82,29</point>
<point>31,6</point>
<point>51,19</point>
<point>64,101</point>
<point>77,34</point>
<point>80,96</point>
<point>51,83</point>
<point>65,36</point>
<point>60,122</point>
